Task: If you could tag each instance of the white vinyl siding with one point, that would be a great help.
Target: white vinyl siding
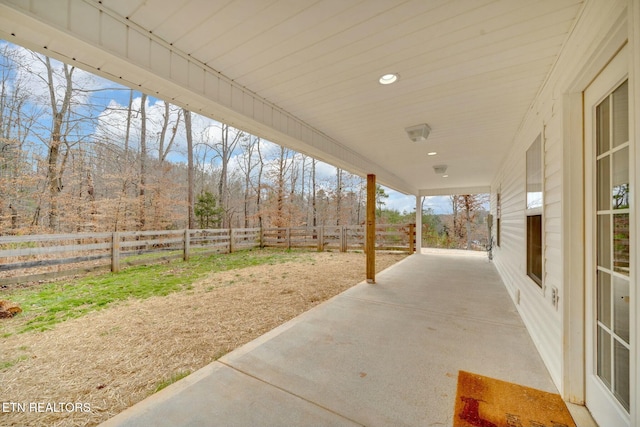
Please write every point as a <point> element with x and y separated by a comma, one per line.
<point>535,307</point>
<point>541,313</point>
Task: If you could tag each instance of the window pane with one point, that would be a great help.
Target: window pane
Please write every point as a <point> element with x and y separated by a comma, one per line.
<point>604,241</point>
<point>602,184</point>
<point>621,115</point>
<point>621,307</point>
<point>621,243</point>
<point>604,356</point>
<point>604,298</point>
<point>602,126</point>
<point>534,174</point>
<point>534,248</point>
<point>620,192</point>
<point>621,389</point>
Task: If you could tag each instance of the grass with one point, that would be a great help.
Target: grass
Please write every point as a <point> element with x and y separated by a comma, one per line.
<point>46,305</point>
<point>166,383</point>
<point>11,363</point>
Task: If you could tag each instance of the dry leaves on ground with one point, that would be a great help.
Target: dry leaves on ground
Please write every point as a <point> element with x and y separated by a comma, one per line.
<point>112,359</point>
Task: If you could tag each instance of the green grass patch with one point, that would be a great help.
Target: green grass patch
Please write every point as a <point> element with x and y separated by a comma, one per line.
<point>46,305</point>
<point>166,383</point>
<point>11,363</point>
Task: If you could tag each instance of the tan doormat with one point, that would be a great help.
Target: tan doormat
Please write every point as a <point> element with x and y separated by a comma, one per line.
<point>487,402</point>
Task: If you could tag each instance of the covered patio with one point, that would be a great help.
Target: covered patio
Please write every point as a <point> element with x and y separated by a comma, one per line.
<point>504,94</point>
<point>375,355</point>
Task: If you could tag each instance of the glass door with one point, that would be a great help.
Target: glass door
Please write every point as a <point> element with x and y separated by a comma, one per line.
<point>610,270</point>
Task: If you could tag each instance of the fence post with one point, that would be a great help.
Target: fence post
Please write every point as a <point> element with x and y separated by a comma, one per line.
<point>288,237</point>
<point>346,238</point>
<point>412,231</point>
<point>115,252</point>
<point>187,244</point>
<point>261,237</point>
<point>321,239</point>
<point>231,240</point>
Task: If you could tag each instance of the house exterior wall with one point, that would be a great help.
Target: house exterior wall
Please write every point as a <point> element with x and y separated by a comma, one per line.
<point>602,28</point>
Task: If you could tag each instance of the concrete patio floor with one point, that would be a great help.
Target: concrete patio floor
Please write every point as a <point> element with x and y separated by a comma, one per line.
<point>376,355</point>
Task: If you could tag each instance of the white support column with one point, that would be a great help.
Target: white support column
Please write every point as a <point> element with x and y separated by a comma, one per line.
<point>418,223</point>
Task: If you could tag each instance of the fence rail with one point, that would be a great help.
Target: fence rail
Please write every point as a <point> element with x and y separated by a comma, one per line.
<point>40,257</point>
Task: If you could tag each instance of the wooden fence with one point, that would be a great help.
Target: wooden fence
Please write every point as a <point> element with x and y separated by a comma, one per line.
<point>40,257</point>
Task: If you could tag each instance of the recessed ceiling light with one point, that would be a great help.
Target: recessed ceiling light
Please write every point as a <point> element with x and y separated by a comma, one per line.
<point>387,79</point>
<point>445,176</point>
<point>432,153</point>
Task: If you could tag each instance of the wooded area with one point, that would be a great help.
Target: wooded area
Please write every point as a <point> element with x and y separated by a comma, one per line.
<point>82,154</point>
<point>74,159</point>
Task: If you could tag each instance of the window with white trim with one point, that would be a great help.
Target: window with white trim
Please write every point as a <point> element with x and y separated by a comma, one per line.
<point>534,211</point>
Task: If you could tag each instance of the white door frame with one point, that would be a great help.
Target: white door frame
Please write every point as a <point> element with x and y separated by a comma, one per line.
<point>573,212</point>
<point>626,28</point>
<point>598,398</point>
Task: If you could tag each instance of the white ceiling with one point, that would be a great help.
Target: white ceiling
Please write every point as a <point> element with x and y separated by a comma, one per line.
<point>468,68</point>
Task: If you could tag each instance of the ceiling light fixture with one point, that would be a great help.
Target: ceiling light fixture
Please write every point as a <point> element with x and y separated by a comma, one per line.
<point>418,133</point>
<point>387,79</point>
<point>440,169</point>
<point>431,153</point>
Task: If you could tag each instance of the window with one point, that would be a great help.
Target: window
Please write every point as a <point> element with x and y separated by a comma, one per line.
<point>534,211</point>
<point>534,248</point>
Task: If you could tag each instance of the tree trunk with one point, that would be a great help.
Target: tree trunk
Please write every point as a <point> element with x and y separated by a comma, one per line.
<point>225,150</point>
<point>280,221</point>
<point>338,195</point>
<point>191,220</point>
<point>314,208</point>
<point>248,165</point>
<point>468,218</point>
<point>143,162</point>
<point>54,171</point>
<point>259,193</point>
<point>128,128</point>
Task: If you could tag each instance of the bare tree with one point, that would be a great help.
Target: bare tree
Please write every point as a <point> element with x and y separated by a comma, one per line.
<point>248,165</point>
<point>143,162</point>
<point>16,122</point>
<point>468,205</point>
<point>225,149</point>
<point>259,186</point>
<point>160,185</point>
<point>59,112</point>
<point>280,210</point>
<point>163,150</point>
<point>190,181</point>
<point>338,195</point>
<point>119,175</point>
<point>314,190</point>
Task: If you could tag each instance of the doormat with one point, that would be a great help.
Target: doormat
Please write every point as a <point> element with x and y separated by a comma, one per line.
<point>487,402</point>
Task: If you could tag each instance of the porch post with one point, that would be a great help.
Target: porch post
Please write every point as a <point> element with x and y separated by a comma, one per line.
<point>418,223</point>
<point>370,245</point>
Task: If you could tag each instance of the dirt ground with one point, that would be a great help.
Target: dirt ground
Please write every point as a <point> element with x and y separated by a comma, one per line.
<point>91,368</point>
